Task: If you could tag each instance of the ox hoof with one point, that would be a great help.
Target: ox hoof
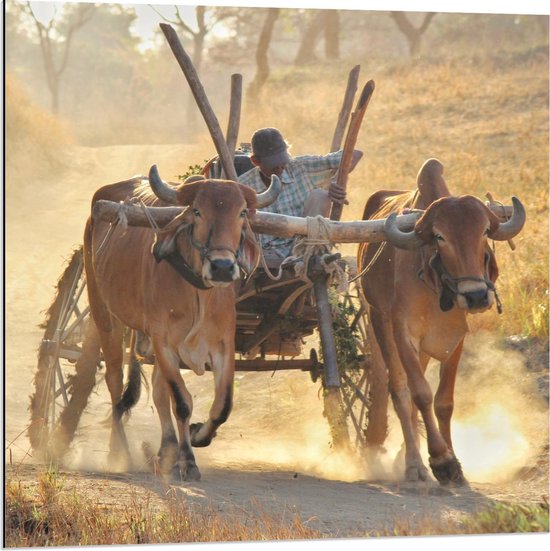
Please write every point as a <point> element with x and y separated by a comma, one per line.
<point>196,441</point>
<point>167,457</point>
<point>448,472</point>
<point>415,473</point>
<point>186,472</point>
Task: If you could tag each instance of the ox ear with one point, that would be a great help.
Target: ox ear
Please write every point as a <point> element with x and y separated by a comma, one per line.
<point>165,240</point>
<point>249,252</point>
<point>494,222</point>
<point>424,225</point>
<point>491,265</point>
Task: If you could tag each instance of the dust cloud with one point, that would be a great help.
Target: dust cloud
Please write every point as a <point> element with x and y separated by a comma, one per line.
<point>501,418</point>
<point>277,423</point>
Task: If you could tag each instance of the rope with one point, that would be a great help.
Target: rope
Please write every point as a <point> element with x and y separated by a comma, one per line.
<point>317,243</point>
<point>370,264</point>
<point>151,220</point>
<point>122,221</point>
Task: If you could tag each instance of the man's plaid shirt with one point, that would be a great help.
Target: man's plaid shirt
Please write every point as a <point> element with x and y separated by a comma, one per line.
<point>300,176</point>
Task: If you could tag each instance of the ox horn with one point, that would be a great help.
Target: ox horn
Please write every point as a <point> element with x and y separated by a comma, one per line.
<point>270,195</point>
<point>507,230</point>
<point>398,238</point>
<point>161,189</point>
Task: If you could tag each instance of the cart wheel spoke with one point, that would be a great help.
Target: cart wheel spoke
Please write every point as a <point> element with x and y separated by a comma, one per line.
<point>351,330</point>
<point>66,329</point>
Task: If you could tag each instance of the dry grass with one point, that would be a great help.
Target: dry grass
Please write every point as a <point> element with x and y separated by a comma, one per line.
<point>51,515</point>
<point>35,139</point>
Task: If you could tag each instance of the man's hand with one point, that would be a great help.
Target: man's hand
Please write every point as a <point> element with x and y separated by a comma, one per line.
<point>337,194</point>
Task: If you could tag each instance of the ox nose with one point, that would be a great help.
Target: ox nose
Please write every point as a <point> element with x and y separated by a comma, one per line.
<point>477,299</point>
<point>222,269</point>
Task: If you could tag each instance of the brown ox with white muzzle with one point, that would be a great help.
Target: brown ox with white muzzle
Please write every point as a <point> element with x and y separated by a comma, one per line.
<point>419,290</point>
<point>179,289</point>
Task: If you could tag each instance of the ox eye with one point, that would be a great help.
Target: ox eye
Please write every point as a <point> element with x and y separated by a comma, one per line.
<point>197,213</point>
<point>244,213</point>
<point>486,232</point>
<point>439,237</point>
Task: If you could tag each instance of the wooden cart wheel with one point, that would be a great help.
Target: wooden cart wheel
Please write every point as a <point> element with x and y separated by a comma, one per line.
<point>68,359</point>
<point>357,413</point>
<point>365,389</point>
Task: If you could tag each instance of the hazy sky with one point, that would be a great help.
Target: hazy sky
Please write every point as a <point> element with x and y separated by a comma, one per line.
<point>148,20</point>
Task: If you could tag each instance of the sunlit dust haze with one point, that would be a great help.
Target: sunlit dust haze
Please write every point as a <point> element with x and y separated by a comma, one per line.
<point>500,416</point>
<point>277,422</point>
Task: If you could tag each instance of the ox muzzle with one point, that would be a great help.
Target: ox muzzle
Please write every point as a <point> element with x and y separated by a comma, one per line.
<point>473,293</point>
<point>220,265</point>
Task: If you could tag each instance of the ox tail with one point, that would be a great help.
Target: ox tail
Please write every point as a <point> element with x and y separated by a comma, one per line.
<point>132,390</point>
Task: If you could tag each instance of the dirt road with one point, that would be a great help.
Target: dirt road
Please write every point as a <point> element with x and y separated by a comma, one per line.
<point>274,453</point>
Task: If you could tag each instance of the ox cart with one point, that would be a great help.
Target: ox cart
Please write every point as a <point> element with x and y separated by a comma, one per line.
<point>278,317</point>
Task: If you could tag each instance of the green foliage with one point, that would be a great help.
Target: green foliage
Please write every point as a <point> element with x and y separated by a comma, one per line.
<point>345,336</point>
<point>192,170</point>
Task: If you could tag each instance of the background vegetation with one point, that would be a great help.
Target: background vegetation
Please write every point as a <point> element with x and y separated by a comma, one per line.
<point>474,94</point>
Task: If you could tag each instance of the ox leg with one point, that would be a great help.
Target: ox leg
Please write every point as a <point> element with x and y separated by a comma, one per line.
<point>111,344</point>
<point>443,463</point>
<point>224,369</point>
<point>444,405</point>
<point>182,404</point>
<point>401,398</point>
<point>168,451</point>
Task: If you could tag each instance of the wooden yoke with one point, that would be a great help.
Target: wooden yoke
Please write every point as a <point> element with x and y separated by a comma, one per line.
<point>349,144</point>
<point>203,104</point>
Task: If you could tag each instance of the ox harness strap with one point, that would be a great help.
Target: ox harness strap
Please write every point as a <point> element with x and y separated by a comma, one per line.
<point>184,270</point>
<point>449,284</point>
<point>168,251</point>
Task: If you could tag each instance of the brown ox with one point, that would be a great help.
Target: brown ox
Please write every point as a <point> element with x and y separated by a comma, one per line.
<point>185,304</point>
<point>419,291</point>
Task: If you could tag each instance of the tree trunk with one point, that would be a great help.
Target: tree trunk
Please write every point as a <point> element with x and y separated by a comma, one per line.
<point>54,90</point>
<point>262,64</point>
<point>412,34</point>
<point>306,52</point>
<point>54,70</point>
<point>332,34</point>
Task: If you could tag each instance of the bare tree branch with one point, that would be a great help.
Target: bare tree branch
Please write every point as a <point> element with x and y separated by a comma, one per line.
<point>412,33</point>
<point>48,45</point>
